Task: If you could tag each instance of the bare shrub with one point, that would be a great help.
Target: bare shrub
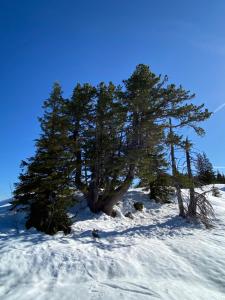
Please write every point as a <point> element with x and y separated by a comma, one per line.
<point>205,211</point>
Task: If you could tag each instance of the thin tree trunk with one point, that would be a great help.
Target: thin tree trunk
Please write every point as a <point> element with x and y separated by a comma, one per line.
<point>77,154</point>
<point>85,172</point>
<point>193,203</point>
<point>93,197</point>
<point>175,176</point>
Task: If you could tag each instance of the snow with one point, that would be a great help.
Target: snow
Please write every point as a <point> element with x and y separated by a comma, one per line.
<point>156,255</point>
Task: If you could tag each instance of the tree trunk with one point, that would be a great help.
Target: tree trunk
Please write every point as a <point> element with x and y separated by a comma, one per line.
<point>192,207</point>
<point>77,155</point>
<point>112,199</point>
<point>93,197</point>
<point>106,202</point>
<point>175,177</point>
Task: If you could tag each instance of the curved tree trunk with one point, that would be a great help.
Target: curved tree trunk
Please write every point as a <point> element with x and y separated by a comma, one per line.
<point>105,202</point>
<point>111,200</point>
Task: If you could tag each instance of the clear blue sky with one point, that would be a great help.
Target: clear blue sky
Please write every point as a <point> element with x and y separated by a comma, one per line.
<point>96,40</point>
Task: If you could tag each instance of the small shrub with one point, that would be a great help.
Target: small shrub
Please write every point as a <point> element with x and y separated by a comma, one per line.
<point>162,194</point>
<point>138,206</point>
<point>161,190</point>
<point>205,211</point>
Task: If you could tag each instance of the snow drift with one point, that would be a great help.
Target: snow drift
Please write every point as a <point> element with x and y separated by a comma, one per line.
<point>156,255</point>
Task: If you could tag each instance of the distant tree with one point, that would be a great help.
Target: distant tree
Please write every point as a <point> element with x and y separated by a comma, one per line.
<point>204,169</point>
<point>220,178</point>
<point>45,184</point>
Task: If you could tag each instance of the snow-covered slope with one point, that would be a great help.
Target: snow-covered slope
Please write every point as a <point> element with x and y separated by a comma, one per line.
<point>154,256</point>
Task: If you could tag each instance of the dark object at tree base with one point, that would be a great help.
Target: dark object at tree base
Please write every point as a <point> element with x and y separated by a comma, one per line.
<point>95,233</point>
<point>114,213</point>
<point>216,192</point>
<point>138,206</point>
<point>166,202</point>
<point>129,215</point>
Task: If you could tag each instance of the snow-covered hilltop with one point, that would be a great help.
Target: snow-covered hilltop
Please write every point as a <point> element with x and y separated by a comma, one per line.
<point>155,255</point>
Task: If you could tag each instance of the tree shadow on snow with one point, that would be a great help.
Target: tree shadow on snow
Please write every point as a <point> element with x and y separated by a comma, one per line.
<point>12,226</point>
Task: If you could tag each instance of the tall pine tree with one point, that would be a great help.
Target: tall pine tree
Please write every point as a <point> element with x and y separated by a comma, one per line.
<point>45,185</point>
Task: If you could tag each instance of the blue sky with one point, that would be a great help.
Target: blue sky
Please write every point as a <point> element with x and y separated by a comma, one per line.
<point>92,41</point>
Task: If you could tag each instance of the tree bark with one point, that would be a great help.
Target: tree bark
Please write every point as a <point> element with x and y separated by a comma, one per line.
<point>175,176</point>
<point>105,202</point>
<point>93,197</point>
<point>192,207</point>
<point>112,199</point>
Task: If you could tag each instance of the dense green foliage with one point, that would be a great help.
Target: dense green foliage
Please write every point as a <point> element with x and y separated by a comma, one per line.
<point>45,185</point>
<point>99,141</point>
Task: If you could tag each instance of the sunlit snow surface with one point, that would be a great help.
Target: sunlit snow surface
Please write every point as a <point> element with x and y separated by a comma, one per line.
<point>154,256</point>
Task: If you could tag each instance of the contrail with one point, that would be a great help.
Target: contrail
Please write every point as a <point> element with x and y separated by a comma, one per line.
<point>219,108</point>
<point>218,167</point>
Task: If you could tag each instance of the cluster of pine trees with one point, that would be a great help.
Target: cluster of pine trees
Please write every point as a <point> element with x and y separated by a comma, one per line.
<point>219,177</point>
<point>205,173</point>
<point>100,140</point>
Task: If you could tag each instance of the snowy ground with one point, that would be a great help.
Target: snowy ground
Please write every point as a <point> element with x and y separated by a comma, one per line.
<point>154,256</point>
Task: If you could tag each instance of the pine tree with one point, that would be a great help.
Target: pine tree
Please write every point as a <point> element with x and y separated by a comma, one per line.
<point>220,178</point>
<point>151,105</point>
<point>99,141</point>
<point>108,157</point>
<point>180,113</point>
<point>121,129</point>
<point>80,112</point>
<point>204,169</point>
<point>45,184</point>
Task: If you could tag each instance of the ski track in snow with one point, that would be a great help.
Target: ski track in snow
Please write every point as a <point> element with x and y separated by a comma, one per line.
<point>157,255</point>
